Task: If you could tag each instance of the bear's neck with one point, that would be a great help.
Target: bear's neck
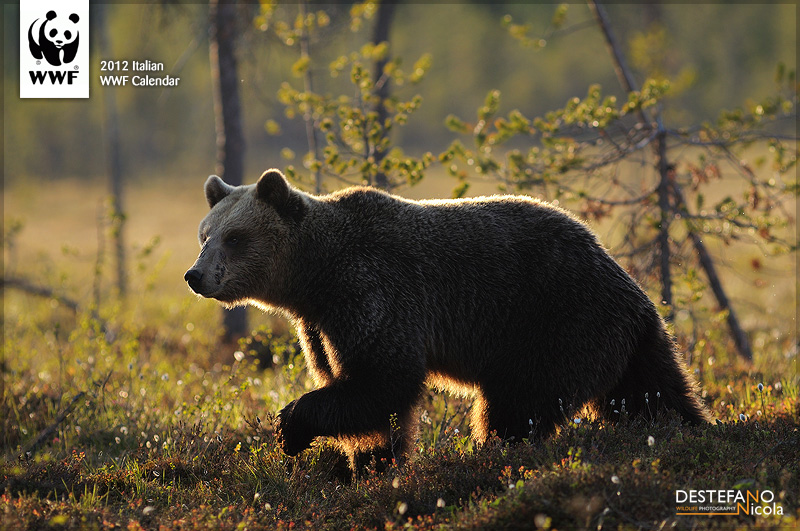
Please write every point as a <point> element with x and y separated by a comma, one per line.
<point>313,263</point>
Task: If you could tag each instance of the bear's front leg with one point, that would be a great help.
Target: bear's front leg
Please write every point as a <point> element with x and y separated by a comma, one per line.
<point>294,435</point>
<point>353,408</point>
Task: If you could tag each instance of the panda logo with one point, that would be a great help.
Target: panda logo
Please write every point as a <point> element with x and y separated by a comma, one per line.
<point>56,35</point>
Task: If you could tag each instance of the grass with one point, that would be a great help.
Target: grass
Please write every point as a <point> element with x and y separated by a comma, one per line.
<point>131,415</point>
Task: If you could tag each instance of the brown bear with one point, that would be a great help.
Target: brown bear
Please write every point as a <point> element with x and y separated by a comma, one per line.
<point>509,299</point>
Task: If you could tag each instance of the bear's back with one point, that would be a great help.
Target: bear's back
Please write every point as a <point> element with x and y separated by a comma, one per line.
<point>508,231</point>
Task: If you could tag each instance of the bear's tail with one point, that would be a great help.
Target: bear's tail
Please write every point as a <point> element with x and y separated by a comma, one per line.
<point>656,379</point>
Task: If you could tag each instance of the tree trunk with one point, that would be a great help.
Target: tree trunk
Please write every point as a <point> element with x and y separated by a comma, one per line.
<point>308,86</point>
<point>228,119</point>
<point>380,33</point>
<point>664,171</point>
<point>114,159</point>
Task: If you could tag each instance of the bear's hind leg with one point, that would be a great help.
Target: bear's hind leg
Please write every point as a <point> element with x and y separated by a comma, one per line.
<point>499,411</point>
<point>654,380</point>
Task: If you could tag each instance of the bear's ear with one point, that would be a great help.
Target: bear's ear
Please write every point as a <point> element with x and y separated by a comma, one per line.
<point>51,15</point>
<point>273,189</point>
<point>216,190</point>
<point>74,18</point>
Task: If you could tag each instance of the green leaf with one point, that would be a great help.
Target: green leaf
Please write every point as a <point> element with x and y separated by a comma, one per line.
<point>560,16</point>
<point>461,190</point>
<point>456,124</point>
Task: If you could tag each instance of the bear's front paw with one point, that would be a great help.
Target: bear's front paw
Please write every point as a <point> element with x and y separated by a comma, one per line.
<point>293,435</point>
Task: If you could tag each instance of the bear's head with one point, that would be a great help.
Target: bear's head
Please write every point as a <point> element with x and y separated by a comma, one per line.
<point>247,240</point>
<point>61,30</point>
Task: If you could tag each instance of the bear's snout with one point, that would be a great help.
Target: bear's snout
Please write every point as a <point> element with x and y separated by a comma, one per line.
<point>194,277</point>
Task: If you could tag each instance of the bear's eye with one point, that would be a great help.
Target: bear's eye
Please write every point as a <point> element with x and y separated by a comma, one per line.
<point>67,34</point>
<point>232,240</point>
<point>53,32</point>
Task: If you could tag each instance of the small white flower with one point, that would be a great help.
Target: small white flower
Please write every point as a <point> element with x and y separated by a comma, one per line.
<point>651,440</point>
<point>402,508</point>
<point>576,420</point>
<point>760,387</point>
<point>615,479</point>
<point>147,510</point>
<point>239,355</point>
<point>396,483</point>
<point>742,417</point>
<point>440,503</point>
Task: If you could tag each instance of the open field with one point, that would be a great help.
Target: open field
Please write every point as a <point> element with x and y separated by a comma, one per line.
<point>131,415</point>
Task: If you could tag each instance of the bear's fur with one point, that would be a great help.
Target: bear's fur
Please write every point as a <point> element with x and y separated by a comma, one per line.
<point>506,298</point>
<point>55,34</point>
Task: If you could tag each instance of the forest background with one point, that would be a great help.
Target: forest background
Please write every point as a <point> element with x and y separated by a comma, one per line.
<point>82,339</point>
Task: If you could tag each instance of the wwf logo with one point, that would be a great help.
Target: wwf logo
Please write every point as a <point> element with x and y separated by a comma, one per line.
<point>56,39</point>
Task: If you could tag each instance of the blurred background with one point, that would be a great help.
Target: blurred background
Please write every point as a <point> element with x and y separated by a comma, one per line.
<point>126,166</point>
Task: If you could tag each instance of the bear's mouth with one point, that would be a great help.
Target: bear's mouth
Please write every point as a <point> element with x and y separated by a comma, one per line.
<point>216,294</point>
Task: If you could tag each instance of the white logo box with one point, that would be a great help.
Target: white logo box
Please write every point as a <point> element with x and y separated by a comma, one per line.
<point>54,48</point>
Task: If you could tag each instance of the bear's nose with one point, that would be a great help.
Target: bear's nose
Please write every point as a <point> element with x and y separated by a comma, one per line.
<point>193,278</point>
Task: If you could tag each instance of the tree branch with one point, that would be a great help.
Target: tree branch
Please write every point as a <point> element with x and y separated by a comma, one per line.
<point>667,186</point>
<point>48,431</point>
<point>739,336</point>
<point>40,291</point>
